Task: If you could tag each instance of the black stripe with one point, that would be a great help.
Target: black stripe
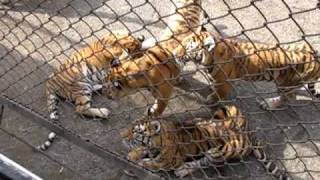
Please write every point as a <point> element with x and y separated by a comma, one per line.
<point>161,61</point>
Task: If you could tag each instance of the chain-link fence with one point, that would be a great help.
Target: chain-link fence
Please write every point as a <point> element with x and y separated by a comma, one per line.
<point>36,36</point>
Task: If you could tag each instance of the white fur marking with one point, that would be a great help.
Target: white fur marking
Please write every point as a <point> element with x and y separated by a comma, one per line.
<point>97,87</point>
<point>52,136</point>
<point>154,107</point>
<point>148,43</point>
<point>273,102</point>
<point>53,115</point>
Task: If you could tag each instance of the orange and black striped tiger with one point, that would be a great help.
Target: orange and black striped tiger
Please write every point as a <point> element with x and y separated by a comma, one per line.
<point>185,19</point>
<point>156,70</point>
<point>227,59</point>
<point>83,73</point>
<point>190,145</point>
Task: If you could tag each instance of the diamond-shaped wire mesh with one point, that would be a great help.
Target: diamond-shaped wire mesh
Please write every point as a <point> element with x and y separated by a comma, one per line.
<point>37,36</point>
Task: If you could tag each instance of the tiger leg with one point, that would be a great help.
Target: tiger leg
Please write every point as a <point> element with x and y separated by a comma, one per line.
<point>220,93</point>
<point>213,156</point>
<point>153,164</point>
<point>269,165</point>
<point>271,103</point>
<point>277,101</point>
<point>313,90</point>
<point>162,93</point>
<point>137,154</point>
<point>83,106</point>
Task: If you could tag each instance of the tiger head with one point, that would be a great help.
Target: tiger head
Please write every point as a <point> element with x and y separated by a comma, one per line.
<point>118,85</point>
<point>123,40</point>
<point>143,133</point>
<point>197,47</point>
<point>122,77</point>
<point>231,116</point>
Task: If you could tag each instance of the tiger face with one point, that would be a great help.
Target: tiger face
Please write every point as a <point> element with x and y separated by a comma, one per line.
<point>117,82</point>
<point>197,47</point>
<point>117,86</point>
<point>129,43</point>
<point>141,134</point>
<point>123,40</point>
<point>114,89</point>
<point>231,117</point>
<point>143,140</point>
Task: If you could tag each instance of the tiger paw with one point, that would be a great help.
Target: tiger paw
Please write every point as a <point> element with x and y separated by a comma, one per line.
<point>104,113</point>
<point>211,99</point>
<point>270,103</point>
<point>182,171</point>
<point>147,163</point>
<point>54,116</point>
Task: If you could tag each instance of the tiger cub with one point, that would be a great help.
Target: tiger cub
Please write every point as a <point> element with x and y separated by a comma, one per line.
<point>227,59</point>
<point>156,70</point>
<point>83,73</point>
<point>185,19</point>
<point>189,145</point>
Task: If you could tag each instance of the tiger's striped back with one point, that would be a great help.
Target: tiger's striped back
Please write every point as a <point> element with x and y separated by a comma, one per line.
<point>228,137</point>
<point>288,65</point>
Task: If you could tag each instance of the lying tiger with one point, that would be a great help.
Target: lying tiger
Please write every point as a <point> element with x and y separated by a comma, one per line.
<point>187,146</point>
<point>83,73</point>
<point>289,66</point>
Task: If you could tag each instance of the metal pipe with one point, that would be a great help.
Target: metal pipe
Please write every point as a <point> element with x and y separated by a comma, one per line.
<point>11,170</point>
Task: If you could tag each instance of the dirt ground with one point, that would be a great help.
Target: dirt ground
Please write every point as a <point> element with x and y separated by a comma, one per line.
<point>36,35</point>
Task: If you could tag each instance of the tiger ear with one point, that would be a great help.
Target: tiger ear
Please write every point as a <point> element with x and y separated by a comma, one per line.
<point>210,43</point>
<point>156,125</point>
<point>115,62</point>
<point>141,38</point>
<point>125,54</point>
<point>117,84</point>
<point>221,112</point>
<point>200,29</point>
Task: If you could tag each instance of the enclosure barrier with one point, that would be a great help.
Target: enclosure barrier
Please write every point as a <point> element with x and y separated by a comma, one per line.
<point>39,35</point>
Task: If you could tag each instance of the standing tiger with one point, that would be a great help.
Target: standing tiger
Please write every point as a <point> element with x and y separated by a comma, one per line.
<point>226,59</point>
<point>156,70</point>
<point>187,18</point>
<point>190,145</point>
<point>83,73</point>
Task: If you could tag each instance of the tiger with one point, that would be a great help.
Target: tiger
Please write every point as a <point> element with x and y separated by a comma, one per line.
<point>155,70</point>
<point>161,72</point>
<point>83,73</point>
<point>189,145</point>
<point>227,59</point>
<point>187,18</point>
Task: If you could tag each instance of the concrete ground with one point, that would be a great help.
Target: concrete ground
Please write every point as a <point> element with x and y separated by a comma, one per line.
<point>36,35</point>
